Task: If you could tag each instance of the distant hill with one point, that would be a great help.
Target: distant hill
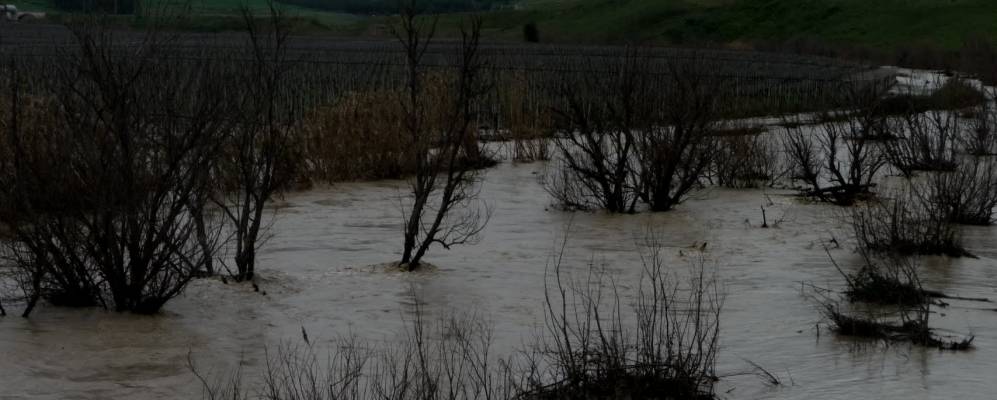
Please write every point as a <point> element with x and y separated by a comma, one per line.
<point>871,23</point>
<point>875,23</point>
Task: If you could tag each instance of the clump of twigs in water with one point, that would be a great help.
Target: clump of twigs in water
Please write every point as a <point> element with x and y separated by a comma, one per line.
<point>446,358</point>
<point>589,348</point>
<point>892,280</point>
<point>911,326</point>
<point>905,306</point>
<point>594,354</point>
<point>908,222</point>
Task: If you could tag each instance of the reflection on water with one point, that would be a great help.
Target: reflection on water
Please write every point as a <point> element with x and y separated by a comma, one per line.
<point>317,274</point>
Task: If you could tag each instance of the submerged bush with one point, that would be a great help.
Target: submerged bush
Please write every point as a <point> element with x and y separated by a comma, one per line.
<point>589,347</point>
<point>746,158</point>
<point>908,222</point>
<point>900,306</point>
<point>954,94</point>
<point>633,133</point>
<point>838,160</point>
<point>594,352</point>
<point>924,141</point>
<point>968,194</point>
<point>907,326</point>
<point>891,280</point>
<point>109,224</point>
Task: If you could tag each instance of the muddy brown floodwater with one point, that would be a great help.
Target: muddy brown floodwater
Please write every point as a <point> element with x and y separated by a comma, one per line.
<point>316,272</point>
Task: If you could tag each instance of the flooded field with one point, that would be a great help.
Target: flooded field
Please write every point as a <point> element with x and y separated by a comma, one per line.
<point>318,273</point>
<point>328,266</point>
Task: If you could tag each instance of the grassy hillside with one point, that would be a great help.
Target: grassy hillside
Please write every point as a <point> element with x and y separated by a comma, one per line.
<point>875,23</point>
<point>215,15</point>
<point>872,23</point>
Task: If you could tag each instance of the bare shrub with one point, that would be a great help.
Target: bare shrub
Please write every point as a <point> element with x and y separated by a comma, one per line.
<point>924,141</point>
<point>910,221</point>
<point>834,161</point>
<point>954,94</point>
<point>676,144</point>
<point>448,359</point>
<point>440,129</point>
<point>902,306</point>
<point>588,347</point>
<point>890,279</point>
<point>746,159</point>
<point>838,160</point>
<point>567,189</point>
<point>979,58</point>
<point>665,349</point>
<point>907,325</point>
<point>634,133</point>
<point>969,193</point>
<point>980,138</point>
<point>600,109</point>
<point>134,133</point>
<point>958,93</point>
<point>259,160</point>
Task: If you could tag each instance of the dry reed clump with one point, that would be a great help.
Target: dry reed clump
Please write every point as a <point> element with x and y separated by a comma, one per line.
<point>525,122</point>
<point>362,135</point>
<point>746,158</point>
<point>357,138</point>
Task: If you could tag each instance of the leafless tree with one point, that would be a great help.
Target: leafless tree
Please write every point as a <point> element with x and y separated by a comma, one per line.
<point>980,137</point>
<point>134,131</point>
<point>924,141</point>
<point>968,194</point>
<point>600,108</point>
<point>259,160</point>
<point>677,143</point>
<point>839,159</point>
<point>637,129</point>
<point>440,130</point>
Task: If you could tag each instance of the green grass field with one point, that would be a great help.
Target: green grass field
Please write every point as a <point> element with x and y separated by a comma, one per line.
<point>874,23</point>
<point>871,23</point>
